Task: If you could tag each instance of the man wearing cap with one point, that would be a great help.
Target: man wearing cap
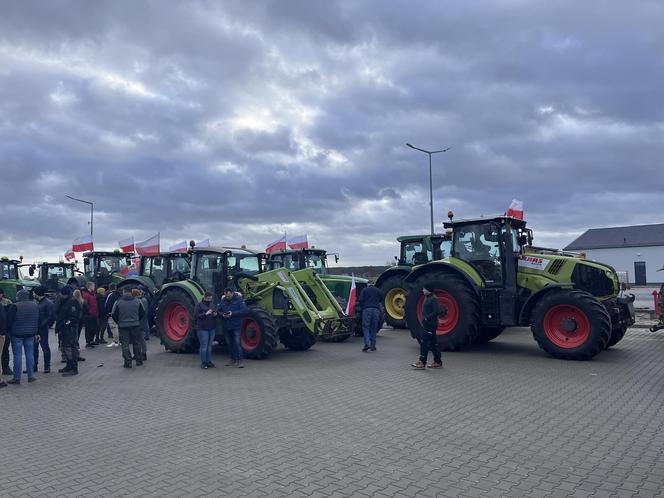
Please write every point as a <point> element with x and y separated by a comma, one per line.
<point>23,330</point>
<point>431,311</point>
<point>46,321</point>
<point>66,323</point>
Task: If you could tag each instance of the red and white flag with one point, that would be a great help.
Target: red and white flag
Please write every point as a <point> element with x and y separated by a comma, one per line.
<point>149,247</point>
<point>203,243</point>
<point>352,298</point>
<point>69,255</point>
<point>179,247</point>
<point>127,245</point>
<point>277,245</point>
<point>83,244</point>
<point>298,242</point>
<point>516,209</point>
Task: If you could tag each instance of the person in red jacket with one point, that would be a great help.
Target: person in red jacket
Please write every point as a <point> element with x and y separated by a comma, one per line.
<point>90,315</point>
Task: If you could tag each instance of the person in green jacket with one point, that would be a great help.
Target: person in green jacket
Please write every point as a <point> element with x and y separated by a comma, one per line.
<point>431,311</point>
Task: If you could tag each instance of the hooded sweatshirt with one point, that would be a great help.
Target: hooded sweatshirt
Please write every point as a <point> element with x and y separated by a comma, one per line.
<point>128,311</point>
<point>26,316</point>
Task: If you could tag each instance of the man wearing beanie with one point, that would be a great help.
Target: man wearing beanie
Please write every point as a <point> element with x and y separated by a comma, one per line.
<point>46,321</point>
<point>431,311</point>
<point>66,323</point>
<point>23,332</point>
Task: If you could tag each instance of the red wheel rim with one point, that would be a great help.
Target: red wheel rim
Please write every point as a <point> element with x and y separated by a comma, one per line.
<point>176,321</point>
<point>566,326</point>
<point>447,323</point>
<point>250,337</point>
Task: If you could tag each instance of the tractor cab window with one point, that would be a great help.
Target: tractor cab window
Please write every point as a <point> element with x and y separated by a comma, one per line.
<point>179,268</point>
<point>444,248</point>
<point>243,263</point>
<point>209,272</point>
<point>8,271</point>
<point>315,261</point>
<point>88,267</point>
<point>146,267</point>
<point>414,253</point>
<point>157,268</point>
<point>479,245</point>
<point>288,261</point>
<point>112,264</point>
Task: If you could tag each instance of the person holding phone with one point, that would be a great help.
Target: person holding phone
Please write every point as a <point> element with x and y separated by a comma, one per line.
<point>206,319</point>
<point>233,308</point>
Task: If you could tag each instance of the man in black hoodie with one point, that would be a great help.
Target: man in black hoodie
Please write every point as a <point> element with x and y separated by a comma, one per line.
<point>431,311</point>
<point>46,321</point>
<point>67,321</point>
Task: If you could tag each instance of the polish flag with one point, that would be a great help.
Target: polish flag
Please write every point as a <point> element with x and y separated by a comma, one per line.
<point>127,245</point>
<point>69,255</point>
<point>83,244</point>
<point>203,243</point>
<point>149,247</point>
<point>277,245</point>
<point>516,209</point>
<point>179,247</point>
<point>352,299</point>
<point>299,242</point>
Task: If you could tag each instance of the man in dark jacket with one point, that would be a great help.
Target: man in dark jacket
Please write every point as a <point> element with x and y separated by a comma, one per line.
<point>233,309</point>
<point>102,320</point>
<point>46,321</point>
<point>370,302</point>
<point>431,311</point>
<point>66,324</point>
<point>111,296</point>
<point>3,333</point>
<point>127,313</point>
<point>23,332</point>
<point>4,355</point>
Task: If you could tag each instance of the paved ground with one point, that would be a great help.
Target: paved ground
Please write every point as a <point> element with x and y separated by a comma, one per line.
<point>502,420</point>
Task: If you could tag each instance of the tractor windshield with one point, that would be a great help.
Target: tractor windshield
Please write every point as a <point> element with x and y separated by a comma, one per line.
<point>316,261</point>
<point>179,267</point>
<point>414,253</point>
<point>479,245</point>
<point>8,270</point>
<point>59,272</point>
<point>288,261</point>
<point>248,263</point>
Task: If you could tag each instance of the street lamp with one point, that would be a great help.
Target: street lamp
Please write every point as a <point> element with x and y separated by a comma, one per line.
<point>92,212</point>
<point>430,153</point>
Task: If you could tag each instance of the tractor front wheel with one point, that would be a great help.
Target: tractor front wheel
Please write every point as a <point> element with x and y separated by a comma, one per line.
<point>617,335</point>
<point>258,333</point>
<point>394,302</point>
<point>175,322</point>
<point>571,325</point>
<point>297,339</point>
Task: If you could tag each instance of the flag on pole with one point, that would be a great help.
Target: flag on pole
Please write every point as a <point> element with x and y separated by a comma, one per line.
<point>516,209</point>
<point>203,243</point>
<point>69,255</point>
<point>83,244</point>
<point>127,245</point>
<point>277,245</point>
<point>352,298</point>
<point>179,247</point>
<point>298,242</point>
<point>149,247</point>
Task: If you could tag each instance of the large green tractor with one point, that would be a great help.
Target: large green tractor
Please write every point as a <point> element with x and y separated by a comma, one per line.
<point>415,250</point>
<point>52,276</point>
<point>104,268</point>
<point>295,308</point>
<point>338,285</point>
<point>10,278</point>
<point>494,279</point>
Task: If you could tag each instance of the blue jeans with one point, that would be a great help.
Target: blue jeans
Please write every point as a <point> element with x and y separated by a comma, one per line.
<point>43,343</point>
<point>370,317</point>
<point>205,338</point>
<point>146,330</point>
<point>28,345</point>
<point>233,343</point>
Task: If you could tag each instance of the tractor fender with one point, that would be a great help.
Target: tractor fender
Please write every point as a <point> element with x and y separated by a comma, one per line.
<point>136,281</point>
<point>395,271</point>
<point>533,299</point>
<point>192,288</point>
<point>436,266</point>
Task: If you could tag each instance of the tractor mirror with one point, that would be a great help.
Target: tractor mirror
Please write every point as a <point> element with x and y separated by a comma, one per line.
<point>336,258</point>
<point>523,239</point>
<point>31,270</point>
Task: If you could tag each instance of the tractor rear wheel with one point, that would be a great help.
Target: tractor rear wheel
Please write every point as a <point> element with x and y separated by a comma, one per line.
<point>459,328</point>
<point>258,333</point>
<point>571,325</point>
<point>297,339</point>
<point>486,334</point>
<point>175,322</point>
<point>617,335</point>
<point>394,302</point>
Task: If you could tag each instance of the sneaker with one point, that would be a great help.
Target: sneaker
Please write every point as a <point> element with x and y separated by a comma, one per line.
<point>127,364</point>
<point>3,383</point>
<point>435,365</point>
<point>32,379</point>
<point>418,365</point>
<point>111,344</point>
<point>211,365</point>
<point>365,349</point>
<point>47,370</point>
<point>64,370</point>
<point>372,348</point>
<point>139,363</point>
<point>204,366</point>
<point>240,364</point>
<point>14,381</point>
<point>80,358</point>
<point>70,373</point>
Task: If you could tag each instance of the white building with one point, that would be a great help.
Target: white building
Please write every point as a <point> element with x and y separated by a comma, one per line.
<point>637,250</point>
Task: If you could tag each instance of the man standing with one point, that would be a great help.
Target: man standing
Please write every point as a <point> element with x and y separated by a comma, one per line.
<point>370,301</point>
<point>66,325</point>
<point>91,315</point>
<point>102,319</point>
<point>3,333</point>
<point>127,313</point>
<point>46,320</point>
<point>111,297</point>
<point>23,332</point>
<point>4,355</point>
<point>232,309</point>
<point>431,311</point>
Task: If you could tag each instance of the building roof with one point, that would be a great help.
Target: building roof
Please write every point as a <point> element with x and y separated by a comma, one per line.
<point>616,237</point>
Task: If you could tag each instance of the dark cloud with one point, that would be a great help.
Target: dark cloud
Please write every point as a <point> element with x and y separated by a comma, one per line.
<point>239,120</point>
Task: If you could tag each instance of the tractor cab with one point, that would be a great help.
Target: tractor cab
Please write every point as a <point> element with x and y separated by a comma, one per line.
<point>420,249</point>
<point>105,268</point>
<point>166,268</point>
<point>299,259</point>
<point>52,276</point>
<point>215,268</point>
<point>10,277</point>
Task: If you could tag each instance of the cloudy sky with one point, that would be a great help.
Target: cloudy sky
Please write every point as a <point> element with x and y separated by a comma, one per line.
<point>238,120</point>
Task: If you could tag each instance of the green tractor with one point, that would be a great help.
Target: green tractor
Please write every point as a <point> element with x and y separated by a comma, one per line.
<point>103,268</point>
<point>292,307</point>
<point>155,271</point>
<point>415,250</point>
<point>494,279</point>
<point>10,278</point>
<point>52,276</point>
<point>338,285</point>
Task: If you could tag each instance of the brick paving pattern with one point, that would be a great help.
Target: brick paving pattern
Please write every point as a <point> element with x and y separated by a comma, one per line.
<point>500,420</point>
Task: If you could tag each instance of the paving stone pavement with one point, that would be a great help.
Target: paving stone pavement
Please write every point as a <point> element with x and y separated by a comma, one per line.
<point>500,420</point>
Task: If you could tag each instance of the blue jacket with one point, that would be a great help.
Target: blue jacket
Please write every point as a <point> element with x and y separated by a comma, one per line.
<point>371,297</point>
<point>46,314</point>
<point>237,307</point>
<point>204,321</point>
<point>26,316</point>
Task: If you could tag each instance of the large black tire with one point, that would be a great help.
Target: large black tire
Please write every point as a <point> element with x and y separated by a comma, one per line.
<point>617,335</point>
<point>461,325</point>
<point>394,299</point>
<point>297,339</point>
<point>486,334</point>
<point>175,322</point>
<point>571,325</point>
<point>258,335</point>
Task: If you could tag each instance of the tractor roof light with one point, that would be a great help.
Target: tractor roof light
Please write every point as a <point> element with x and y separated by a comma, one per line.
<point>450,214</point>
<point>192,243</point>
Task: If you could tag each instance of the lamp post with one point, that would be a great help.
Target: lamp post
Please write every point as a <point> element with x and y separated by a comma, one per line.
<point>430,153</point>
<point>92,213</point>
